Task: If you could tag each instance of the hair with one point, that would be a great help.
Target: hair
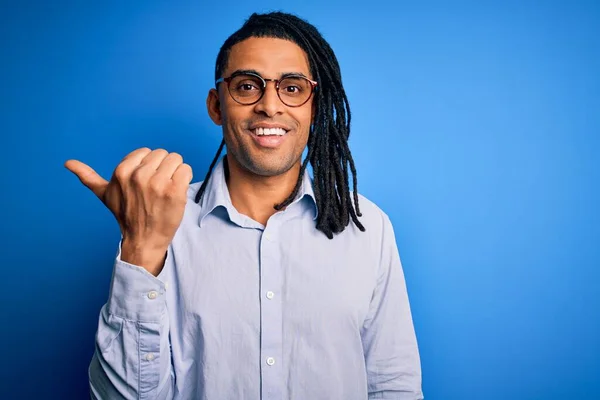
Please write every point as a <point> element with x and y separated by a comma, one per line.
<point>328,151</point>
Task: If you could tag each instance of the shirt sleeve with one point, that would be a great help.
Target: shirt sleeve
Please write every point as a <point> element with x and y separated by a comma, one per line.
<point>132,357</point>
<point>388,336</point>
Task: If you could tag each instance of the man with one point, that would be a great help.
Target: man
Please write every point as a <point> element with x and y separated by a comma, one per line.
<point>259,282</point>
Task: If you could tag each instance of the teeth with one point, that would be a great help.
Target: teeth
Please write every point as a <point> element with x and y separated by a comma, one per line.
<point>270,131</point>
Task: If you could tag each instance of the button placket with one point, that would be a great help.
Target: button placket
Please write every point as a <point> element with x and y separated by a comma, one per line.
<point>271,312</point>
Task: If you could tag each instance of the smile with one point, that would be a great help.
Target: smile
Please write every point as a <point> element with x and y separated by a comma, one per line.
<point>269,131</point>
<point>268,137</point>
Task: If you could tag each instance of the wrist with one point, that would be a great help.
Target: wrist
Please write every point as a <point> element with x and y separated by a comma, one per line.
<point>151,258</point>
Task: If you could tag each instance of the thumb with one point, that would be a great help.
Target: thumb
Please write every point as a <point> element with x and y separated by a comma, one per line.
<point>88,177</point>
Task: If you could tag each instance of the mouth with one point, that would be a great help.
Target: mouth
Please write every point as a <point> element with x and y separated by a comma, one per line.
<point>269,137</point>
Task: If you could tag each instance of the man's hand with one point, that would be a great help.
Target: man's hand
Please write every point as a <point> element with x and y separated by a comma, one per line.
<point>147,194</point>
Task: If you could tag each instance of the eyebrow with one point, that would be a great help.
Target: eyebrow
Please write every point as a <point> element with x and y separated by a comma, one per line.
<point>253,71</point>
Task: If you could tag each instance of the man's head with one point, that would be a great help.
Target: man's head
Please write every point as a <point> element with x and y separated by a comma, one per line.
<point>310,105</point>
<point>244,107</point>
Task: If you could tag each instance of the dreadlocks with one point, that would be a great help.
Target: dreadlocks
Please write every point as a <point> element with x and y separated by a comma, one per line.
<point>328,150</point>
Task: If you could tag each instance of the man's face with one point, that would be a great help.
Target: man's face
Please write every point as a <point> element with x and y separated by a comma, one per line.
<point>259,154</point>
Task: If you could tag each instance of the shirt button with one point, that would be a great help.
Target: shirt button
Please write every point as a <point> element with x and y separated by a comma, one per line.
<point>166,285</point>
<point>270,295</point>
<point>267,236</point>
<point>152,295</point>
<point>270,361</point>
<point>149,356</point>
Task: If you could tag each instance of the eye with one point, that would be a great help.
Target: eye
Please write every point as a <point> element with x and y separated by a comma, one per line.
<point>293,86</point>
<point>247,86</point>
<point>292,89</point>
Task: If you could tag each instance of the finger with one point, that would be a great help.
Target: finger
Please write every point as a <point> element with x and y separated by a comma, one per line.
<point>153,159</point>
<point>168,166</point>
<point>142,150</point>
<point>183,175</point>
<point>133,160</point>
<point>88,177</point>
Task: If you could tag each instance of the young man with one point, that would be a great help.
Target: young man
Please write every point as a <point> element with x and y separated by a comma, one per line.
<point>259,282</point>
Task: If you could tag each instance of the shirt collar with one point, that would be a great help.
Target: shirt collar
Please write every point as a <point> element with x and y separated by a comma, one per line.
<point>216,195</point>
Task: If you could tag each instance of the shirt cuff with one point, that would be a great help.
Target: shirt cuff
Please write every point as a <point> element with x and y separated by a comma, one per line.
<point>135,294</point>
<point>395,395</point>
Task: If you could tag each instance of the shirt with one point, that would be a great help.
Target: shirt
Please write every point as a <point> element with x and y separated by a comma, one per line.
<point>243,311</point>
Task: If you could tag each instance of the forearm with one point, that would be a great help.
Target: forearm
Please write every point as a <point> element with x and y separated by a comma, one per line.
<point>388,335</point>
<point>123,370</point>
<point>132,357</point>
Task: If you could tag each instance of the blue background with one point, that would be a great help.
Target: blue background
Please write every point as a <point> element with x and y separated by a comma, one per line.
<point>476,127</point>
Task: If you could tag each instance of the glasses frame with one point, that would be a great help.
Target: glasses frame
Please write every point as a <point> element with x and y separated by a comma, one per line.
<point>313,86</point>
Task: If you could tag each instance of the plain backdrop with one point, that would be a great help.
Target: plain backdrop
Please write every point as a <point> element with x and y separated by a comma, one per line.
<point>475,126</point>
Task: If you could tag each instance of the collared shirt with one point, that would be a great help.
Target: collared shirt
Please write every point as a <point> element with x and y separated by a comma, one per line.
<point>243,311</point>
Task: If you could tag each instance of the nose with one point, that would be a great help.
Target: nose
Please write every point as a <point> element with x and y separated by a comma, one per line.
<point>269,104</point>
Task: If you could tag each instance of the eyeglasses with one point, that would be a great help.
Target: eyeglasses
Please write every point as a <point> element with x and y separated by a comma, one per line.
<point>248,88</point>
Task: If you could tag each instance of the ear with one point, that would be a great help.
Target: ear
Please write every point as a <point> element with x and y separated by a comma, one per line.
<point>213,105</point>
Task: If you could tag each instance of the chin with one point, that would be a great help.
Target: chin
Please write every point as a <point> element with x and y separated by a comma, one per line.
<point>266,165</point>
<point>268,168</point>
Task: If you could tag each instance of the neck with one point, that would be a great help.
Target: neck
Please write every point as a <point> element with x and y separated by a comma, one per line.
<point>255,195</point>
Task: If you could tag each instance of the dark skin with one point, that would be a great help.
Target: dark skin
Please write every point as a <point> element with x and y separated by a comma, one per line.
<point>261,176</point>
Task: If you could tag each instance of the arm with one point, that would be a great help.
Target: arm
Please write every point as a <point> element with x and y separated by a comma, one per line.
<point>132,359</point>
<point>389,341</point>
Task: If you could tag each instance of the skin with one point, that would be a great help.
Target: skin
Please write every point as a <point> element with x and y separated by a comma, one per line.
<point>261,177</point>
<point>148,190</point>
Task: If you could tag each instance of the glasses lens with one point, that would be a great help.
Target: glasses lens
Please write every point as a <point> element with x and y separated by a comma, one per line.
<point>246,89</point>
<point>294,90</point>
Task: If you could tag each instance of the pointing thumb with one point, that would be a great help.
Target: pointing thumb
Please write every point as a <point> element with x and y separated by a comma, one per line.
<point>88,177</point>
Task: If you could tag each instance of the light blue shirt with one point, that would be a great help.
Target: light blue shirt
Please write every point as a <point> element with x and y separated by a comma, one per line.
<point>243,311</point>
